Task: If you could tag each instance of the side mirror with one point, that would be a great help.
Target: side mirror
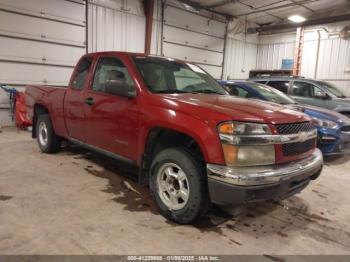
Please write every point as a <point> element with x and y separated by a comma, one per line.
<point>321,95</point>
<point>116,85</point>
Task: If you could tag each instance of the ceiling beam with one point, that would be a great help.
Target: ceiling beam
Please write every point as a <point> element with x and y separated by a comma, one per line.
<point>304,6</point>
<point>221,3</point>
<point>317,21</point>
<point>258,10</point>
<point>198,6</point>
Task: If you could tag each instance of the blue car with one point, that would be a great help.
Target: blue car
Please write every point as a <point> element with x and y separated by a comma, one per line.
<point>333,128</point>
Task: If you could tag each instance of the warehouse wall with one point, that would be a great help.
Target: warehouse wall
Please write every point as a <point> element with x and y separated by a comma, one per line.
<point>116,25</point>
<point>273,48</point>
<point>325,55</point>
<point>40,43</point>
<point>197,37</point>
<point>240,56</point>
<point>327,58</point>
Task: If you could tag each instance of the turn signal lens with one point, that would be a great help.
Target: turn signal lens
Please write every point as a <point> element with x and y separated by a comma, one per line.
<point>226,128</point>
<point>230,154</point>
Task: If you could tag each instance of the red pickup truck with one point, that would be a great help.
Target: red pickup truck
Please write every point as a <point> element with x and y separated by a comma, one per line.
<point>193,143</point>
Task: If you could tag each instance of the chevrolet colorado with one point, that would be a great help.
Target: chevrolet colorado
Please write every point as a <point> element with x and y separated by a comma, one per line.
<point>192,143</point>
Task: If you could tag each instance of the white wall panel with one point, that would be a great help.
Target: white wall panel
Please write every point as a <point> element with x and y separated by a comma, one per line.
<point>53,9</point>
<point>38,52</point>
<point>324,56</point>
<point>41,40</point>
<point>14,73</point>
<point>240,58</point>
<point>184,19</point>
<point>116,29</point>
<point>180,36</point>
<point>36,28</point>
<point>193,37</point>
<point>273,48</point>
<point>193,54</point>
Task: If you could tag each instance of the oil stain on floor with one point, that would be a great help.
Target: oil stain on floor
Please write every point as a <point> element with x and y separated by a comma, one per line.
<point>279,218</point>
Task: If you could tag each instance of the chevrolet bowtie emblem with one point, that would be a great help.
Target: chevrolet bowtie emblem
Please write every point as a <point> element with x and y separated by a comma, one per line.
<point>302,136</point>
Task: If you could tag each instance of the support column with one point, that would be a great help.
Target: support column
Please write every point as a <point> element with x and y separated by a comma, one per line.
<point>148,7</point>
<point>298,51</point>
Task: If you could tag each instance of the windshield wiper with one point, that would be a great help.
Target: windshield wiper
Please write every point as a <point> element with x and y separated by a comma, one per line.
<point>170,92</point>
<point>206,91</point>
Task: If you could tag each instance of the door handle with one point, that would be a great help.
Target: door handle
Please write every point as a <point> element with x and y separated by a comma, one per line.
<point>89,101</point>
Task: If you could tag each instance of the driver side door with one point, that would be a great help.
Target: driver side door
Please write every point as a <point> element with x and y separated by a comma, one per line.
<point>307,93</point>
<point>112,120</point>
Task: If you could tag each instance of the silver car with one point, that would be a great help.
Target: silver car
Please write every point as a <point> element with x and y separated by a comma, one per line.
<point>310,92</point>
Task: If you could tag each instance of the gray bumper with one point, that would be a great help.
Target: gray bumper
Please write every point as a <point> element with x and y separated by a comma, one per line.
<point>265,175</point>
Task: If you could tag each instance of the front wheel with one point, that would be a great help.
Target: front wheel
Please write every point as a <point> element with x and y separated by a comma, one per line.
<point>178,185</point>
<point>48,141</point>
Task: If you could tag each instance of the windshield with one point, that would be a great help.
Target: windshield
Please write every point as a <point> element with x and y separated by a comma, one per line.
<point>163,75</point>
<point>272,94</point>
<point>332,89</point>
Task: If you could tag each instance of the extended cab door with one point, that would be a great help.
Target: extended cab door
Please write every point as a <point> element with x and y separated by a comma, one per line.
<point>74,101</point>
<point>111,120</point>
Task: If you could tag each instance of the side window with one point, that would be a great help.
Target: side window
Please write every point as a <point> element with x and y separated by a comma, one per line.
<point>304,89</point>
<point>280,85</point>
<point>111,69</point>
<point>185,78</point>
<point>237,90</point>
<point>81,73</point>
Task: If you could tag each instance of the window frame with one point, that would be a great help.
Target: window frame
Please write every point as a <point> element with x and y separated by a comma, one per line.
<point>305,82</point>
<point>75,74</point>
<point>97,62</point>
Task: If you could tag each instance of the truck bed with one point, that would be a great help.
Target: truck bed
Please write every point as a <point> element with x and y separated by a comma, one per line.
<point>50,97</point>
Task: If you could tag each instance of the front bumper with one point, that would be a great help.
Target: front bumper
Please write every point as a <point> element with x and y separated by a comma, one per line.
<point>339,145</point>
<point>229,185</point>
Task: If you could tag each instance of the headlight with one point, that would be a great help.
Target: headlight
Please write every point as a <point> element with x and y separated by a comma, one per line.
<point>324,123</point>
<point>245,155</point>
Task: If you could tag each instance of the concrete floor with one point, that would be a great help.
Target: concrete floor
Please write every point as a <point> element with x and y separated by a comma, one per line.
<point>76,202</point>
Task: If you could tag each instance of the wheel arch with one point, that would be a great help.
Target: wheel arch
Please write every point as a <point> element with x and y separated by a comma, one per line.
<point>39,109</point>
<point>160,138</point>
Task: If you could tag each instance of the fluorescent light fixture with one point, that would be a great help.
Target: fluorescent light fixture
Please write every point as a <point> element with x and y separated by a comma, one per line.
<point>296,18</point>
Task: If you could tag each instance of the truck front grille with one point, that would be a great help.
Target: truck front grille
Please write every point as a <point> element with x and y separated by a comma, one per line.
<point>286,129</point>
<point>294,149</point>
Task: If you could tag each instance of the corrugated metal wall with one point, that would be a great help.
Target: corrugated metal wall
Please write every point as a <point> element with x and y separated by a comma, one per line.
<point>327,58</point>
<point>324,56</point>
<point>116,25</point>
<point>240,56</point>
<point>273,48</point>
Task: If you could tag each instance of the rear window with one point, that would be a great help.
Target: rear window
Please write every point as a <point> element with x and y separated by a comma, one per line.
<point>280,85</point>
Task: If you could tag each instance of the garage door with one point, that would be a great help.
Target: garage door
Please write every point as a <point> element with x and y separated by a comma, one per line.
<point>194,37</point>
<point>41,40</point>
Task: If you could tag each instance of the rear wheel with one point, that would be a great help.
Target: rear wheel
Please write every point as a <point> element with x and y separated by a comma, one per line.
<point>178,185</point>
<point>48,141</point>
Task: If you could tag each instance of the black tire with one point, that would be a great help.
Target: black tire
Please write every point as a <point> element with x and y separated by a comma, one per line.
<point>198,200</point>
<point>52,142</point>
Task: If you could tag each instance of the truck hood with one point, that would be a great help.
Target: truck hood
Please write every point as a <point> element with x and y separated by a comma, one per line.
<point>234,108</point>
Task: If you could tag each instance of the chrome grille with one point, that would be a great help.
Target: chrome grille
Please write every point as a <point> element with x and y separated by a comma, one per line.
<point>286,129</point>
<point>293,149</point>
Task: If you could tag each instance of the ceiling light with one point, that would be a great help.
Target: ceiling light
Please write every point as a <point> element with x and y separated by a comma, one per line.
<point>297,18</point>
